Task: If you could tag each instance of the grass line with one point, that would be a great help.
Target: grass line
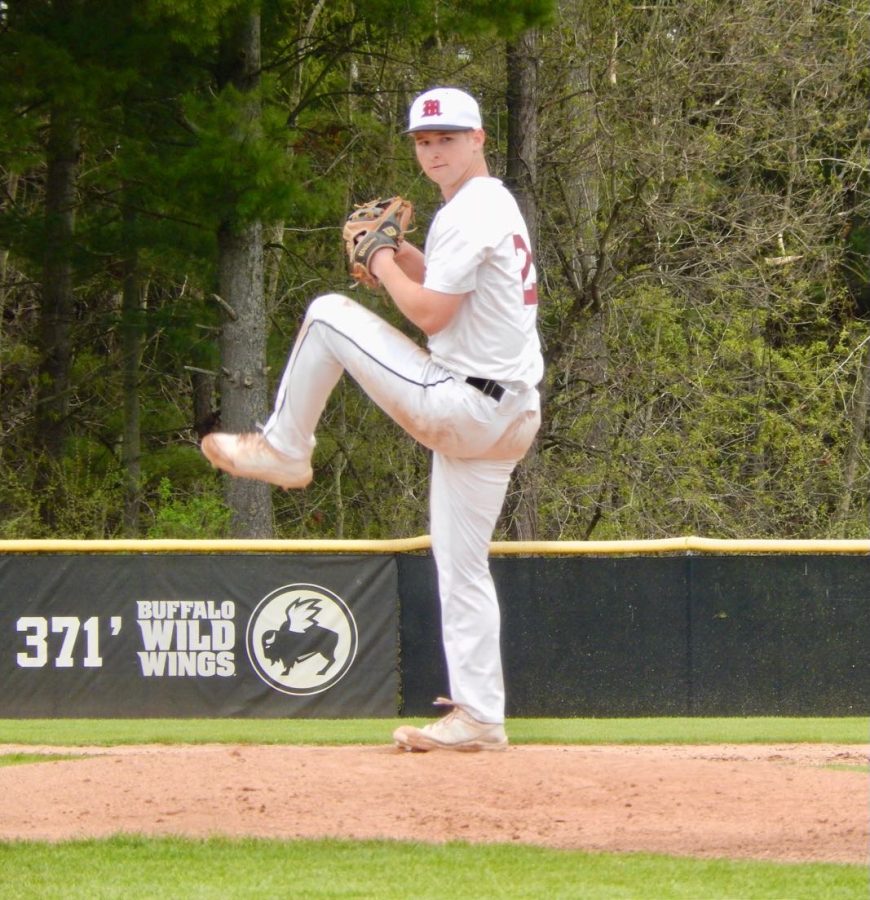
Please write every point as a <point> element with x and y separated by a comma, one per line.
<point>132,868</point>
<point>759,730</point>
<point>17,759</point>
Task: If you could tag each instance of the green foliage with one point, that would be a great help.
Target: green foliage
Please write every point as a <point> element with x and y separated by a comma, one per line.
<point>506,19</point>
<point>194,25</point>
<point>703,426</point>
<point>421,19</point>
<point>83,496</point>
<point>703,364</point>
<point>180,463</point>
<point>369,479</point>
<point>238,168</point>
<point>201,514</point>
<point>702,248</point>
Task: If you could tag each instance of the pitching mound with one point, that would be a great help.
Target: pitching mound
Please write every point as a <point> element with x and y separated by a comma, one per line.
<point>789,803</point>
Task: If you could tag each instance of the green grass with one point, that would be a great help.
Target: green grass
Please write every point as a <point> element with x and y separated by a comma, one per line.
<point>131,867</point>
<point>758,730</point>
<point>138,867</point>
<point>17,759</point>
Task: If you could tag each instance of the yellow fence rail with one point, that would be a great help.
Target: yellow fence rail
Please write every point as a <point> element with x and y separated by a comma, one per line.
<point>687,545</point>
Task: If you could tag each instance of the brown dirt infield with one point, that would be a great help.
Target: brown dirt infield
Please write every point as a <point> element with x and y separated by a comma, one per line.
<point>788,803</point>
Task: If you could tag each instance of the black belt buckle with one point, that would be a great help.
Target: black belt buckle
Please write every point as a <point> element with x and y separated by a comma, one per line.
<point>490,388</point>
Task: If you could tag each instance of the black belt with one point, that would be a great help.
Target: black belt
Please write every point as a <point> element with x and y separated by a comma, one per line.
<point>490,388</point>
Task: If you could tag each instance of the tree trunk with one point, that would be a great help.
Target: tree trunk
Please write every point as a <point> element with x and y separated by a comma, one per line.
<point>58,301</point>
<point>11,192</point>
<point>579,344</point>
<point>243,383</point>
<point>132,311</point>
<point>522,149</point>
<point>522,136</point>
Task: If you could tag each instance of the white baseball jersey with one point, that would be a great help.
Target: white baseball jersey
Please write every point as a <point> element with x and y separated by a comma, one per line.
<point>478,243</point>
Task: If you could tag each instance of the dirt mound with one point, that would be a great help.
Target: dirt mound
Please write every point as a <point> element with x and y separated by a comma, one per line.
<point>788,803</point>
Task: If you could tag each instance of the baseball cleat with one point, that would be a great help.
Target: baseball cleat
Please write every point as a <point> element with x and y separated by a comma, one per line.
<point>458,730</point>
<point>252,456</point>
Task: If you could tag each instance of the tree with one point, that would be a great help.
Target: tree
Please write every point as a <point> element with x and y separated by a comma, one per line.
<point>324,43</point>
<point>73,94</point>
<point>240,281</point>
<point>521,177</point>
<point>700,179</point>
<point>683,353</point>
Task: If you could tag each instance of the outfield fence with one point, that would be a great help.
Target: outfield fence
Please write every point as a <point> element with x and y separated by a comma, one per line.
<point>267,628</point>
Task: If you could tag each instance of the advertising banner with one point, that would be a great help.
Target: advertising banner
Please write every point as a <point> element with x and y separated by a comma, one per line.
<point>329,634</point>
<point>198,635</point>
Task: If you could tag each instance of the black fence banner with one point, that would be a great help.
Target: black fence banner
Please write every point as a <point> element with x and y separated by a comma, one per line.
<point>783,635</point>
<point>321,633</point>
<point>772,635</point>
<point>198,635</point>
<point>580,636</point>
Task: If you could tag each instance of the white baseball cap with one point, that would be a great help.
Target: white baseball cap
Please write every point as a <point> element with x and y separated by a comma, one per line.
<point>444,109</point>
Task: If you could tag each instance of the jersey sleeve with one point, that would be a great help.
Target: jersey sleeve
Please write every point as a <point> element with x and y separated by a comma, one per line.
<point>452,262</point>
<point>463,234</point>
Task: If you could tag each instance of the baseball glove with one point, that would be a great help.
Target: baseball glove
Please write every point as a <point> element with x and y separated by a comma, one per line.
<point>371,226</point>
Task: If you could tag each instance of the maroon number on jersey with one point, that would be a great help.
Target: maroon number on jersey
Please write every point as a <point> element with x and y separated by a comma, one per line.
<point>530,289</point>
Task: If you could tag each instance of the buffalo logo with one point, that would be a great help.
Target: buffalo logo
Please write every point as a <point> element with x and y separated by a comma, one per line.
<point>301,639</point>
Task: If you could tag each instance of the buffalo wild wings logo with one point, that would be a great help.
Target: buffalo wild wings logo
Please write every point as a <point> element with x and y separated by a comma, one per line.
<point>301,639</point>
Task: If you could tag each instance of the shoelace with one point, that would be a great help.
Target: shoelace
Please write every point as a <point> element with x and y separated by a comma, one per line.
<point>454,712</point>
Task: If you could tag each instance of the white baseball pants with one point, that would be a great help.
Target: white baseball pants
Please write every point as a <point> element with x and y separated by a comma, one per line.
<point>476,441</point>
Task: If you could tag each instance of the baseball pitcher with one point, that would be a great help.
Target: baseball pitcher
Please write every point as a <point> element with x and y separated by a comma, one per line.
<point>470,396</point>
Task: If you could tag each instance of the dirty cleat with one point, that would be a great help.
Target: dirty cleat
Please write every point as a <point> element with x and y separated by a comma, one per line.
<point>252,456</point>
<point>458,730</point>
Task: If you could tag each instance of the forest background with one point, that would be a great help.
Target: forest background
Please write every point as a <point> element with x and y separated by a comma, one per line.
<point>173,179</point>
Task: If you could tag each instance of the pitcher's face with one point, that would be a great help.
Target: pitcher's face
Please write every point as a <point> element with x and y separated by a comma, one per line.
<point>450,158</point>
